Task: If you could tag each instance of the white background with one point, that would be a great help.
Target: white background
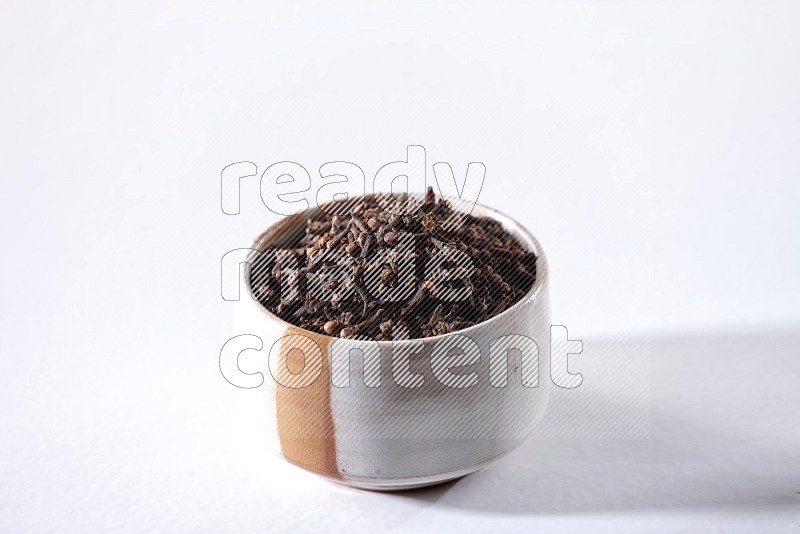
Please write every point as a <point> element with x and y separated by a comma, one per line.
<point>651,146</point>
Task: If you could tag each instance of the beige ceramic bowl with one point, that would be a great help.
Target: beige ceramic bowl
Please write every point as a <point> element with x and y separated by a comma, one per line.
<point>382,433</point>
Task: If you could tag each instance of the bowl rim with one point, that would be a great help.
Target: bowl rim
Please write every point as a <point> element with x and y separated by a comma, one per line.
<point>509,224</point>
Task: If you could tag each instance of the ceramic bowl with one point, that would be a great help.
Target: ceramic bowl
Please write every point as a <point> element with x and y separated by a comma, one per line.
<point>391,415</point>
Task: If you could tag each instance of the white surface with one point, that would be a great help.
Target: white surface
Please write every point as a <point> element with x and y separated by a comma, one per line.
<point>651,147</point>
<point>141,450</point>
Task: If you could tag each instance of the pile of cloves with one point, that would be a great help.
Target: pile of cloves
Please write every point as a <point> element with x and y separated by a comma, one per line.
<point>395,267</point>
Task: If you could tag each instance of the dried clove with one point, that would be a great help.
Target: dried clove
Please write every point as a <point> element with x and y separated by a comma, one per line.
<point>502,271</point>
